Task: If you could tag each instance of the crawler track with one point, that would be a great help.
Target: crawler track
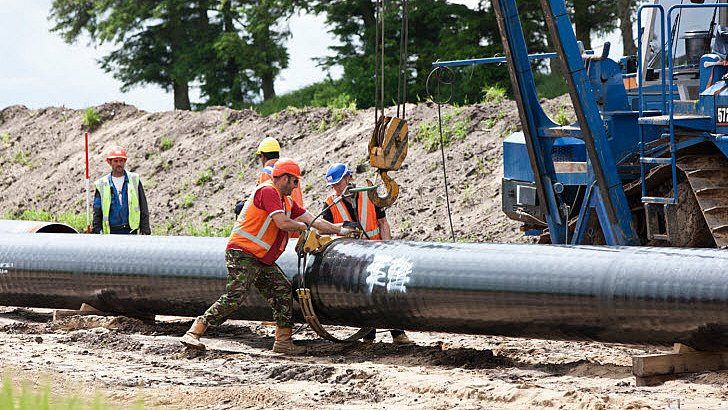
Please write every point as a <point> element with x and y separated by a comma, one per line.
<point>708,177</point>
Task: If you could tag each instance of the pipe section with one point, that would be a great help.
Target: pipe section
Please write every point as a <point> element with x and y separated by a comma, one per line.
<point>630,295</point>
<point>12,226</point>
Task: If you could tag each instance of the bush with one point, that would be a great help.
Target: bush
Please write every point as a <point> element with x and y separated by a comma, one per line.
<point>91,118</point>
<point>166,143</point>
<point>494,94</point>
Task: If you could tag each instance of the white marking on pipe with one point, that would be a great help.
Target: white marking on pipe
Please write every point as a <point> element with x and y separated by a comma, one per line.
<point>389,273</point>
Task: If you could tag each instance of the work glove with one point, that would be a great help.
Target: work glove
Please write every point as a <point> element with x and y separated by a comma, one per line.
<point>345,231</point>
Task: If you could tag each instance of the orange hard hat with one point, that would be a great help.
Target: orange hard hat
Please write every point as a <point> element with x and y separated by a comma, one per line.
<point>116,152</point>
<point>286,166</point>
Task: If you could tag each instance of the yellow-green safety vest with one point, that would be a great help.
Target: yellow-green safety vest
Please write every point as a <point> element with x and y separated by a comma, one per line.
<point>132,189</point>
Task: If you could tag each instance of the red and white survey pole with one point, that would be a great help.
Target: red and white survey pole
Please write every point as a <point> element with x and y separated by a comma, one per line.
<point>88,213</point>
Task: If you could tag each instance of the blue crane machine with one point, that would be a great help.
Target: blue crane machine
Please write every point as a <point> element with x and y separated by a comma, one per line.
<point>645,163</point>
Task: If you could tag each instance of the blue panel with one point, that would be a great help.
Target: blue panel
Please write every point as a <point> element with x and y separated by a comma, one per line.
<point>710,75</point>
<point>516,164</point>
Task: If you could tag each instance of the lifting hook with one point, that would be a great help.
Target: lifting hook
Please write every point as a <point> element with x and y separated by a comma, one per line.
<point>392,191</point>
<point>387,150</point>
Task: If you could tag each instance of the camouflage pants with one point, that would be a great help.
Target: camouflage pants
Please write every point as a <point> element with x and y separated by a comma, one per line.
<point>243,271</point>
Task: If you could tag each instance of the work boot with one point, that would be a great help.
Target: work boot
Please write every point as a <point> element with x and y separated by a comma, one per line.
<point>284,343</point>
<point>402,340</point>
<point>191,339</point>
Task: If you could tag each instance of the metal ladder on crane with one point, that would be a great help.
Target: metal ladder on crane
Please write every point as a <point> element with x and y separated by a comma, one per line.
<point>659,211</point>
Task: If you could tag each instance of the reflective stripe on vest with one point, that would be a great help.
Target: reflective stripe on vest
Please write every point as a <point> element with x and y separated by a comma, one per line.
<point>364,214</point>
<point>367,215</point>
<point>132,194</point>
<point>254,231</point>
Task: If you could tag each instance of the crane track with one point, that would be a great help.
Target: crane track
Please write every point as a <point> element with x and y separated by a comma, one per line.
<point>708,178</point>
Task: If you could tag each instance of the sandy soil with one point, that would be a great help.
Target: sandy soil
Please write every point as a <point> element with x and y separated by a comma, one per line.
<point>129,360</point>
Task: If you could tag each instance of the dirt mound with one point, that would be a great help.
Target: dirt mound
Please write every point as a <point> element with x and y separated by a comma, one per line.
<point>196,165</point>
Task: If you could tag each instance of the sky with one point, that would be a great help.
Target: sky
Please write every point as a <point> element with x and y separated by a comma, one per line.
<point>40,70</point>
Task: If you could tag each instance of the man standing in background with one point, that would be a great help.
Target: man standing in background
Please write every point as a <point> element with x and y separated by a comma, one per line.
<point>120,206</point>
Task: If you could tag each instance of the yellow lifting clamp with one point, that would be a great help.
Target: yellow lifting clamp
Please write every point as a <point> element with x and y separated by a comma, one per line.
<point>387,150</point>
<point>312,243</point>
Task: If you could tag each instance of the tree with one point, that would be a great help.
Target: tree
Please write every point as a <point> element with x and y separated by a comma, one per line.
<point>158,42</point>
<point>437,30</point>
<point>593,17</point>
<point>626,12</point>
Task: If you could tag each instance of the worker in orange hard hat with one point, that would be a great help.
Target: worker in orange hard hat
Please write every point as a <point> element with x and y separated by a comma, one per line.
<point>256,242</point>
<point>120,206</point>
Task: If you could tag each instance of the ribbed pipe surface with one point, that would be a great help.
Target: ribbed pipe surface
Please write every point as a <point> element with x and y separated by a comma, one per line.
<point>630,295</point>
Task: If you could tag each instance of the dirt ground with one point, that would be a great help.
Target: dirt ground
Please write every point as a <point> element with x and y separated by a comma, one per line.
<point>195,183</point>
<point>130,361</point>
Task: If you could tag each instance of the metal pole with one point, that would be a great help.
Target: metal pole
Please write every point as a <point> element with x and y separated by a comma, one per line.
<point>88,212</point>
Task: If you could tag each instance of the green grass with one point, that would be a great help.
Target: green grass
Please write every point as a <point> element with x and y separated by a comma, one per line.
<point>208,230</point>
<point>561,117</point>
<point>204,177</point>
<point>188,200</point>
<point>166,143</point>
<point>90,118</point>
<point>19,157</point>
<point>77,221</point>
<point>323,94</point>
<point>494,94</point>
<point>428,132</point>
<point>5,138</point>
<point>42,396</point>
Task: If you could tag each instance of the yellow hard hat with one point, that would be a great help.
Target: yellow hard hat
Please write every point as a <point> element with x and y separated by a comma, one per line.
<point>269,144</point>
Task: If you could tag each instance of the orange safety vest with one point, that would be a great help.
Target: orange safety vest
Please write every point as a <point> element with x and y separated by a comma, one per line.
<point>256,232</point>
<point>367,214</point>
<point>266,174</point>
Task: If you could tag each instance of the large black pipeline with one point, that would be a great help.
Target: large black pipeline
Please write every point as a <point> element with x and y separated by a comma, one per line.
<point>630,295</point>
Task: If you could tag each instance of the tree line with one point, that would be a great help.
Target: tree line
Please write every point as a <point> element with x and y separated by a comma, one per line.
<point>234,50</point>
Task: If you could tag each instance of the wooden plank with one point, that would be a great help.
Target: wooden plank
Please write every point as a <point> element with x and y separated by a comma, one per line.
<point>654,380</point>
<point>672,363</point>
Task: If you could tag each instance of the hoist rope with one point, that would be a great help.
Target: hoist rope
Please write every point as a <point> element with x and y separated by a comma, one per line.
<point>448,79</point>
<point>402,72</point>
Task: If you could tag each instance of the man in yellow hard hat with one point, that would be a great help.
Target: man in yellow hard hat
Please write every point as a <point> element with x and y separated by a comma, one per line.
<point>120,206</point>
<point>269,150</point>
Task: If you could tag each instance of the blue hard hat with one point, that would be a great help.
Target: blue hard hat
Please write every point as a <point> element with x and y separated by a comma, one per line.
<point>336,172</point>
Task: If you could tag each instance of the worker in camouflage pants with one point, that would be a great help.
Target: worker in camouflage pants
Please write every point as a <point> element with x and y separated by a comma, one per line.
<point>258,239</point>
<point>243,271</point>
